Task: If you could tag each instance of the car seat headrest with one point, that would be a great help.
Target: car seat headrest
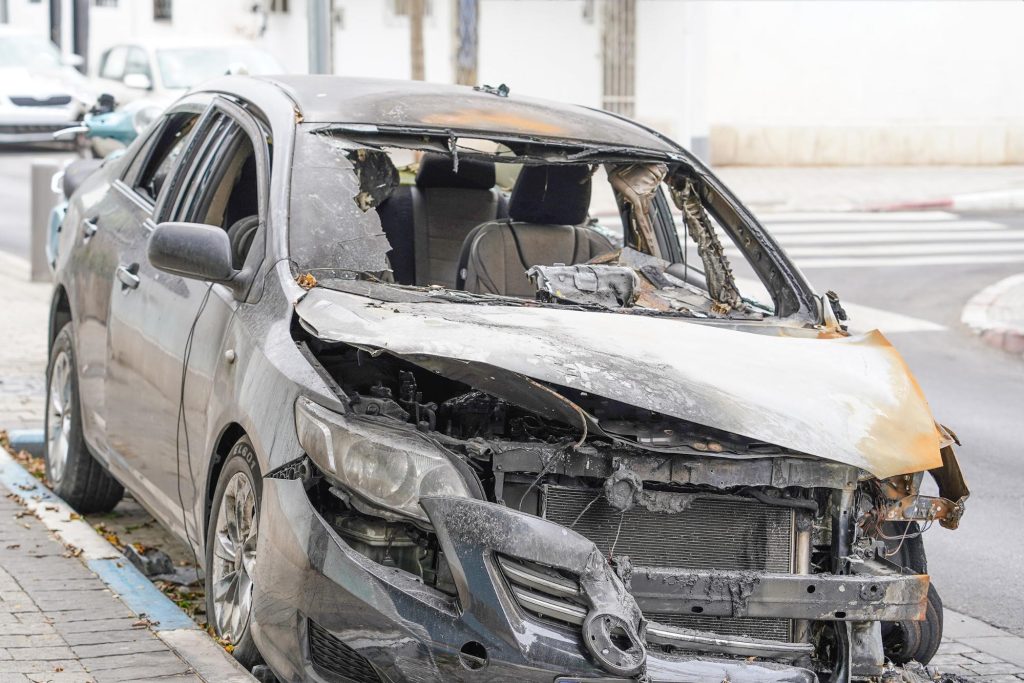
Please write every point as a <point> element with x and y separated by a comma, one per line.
<point>436,171</point>
<point>554,194</point>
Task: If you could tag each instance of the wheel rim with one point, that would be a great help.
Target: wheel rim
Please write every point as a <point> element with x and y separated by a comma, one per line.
<point>59,412</point>
<point>234,557</point>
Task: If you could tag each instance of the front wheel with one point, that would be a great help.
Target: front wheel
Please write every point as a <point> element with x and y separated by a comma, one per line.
<point>231,551</point>
<point>73,473</point>
<point>906,641</point>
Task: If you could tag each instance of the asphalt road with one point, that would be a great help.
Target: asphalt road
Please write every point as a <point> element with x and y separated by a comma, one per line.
<point>910,275</point>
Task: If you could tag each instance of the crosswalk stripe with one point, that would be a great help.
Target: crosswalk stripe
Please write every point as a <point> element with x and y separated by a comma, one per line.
<point>882,227</point>
<point>861,216</point>
<point>904,261</point>
<point>926,238</point>
<point>900,249</point>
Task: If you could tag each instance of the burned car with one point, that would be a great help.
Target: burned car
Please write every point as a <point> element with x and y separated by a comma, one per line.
<point>443,383</point>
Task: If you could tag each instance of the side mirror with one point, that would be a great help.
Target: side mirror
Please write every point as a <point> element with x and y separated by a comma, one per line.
<point>192,250</point>
<point>137,81</point>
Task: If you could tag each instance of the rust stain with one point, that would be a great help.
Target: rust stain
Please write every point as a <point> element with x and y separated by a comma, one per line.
<point>905,438</point>
<point>483,118</point>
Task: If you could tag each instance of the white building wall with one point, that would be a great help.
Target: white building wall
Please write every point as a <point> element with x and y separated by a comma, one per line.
<point>866,82</point>
<point>541,48</point>
<point>29,15</point>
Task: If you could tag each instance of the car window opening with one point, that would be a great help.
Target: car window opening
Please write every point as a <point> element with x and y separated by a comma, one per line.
<point>480,219</point>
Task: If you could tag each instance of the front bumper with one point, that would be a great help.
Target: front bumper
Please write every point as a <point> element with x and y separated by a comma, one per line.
<point>29,133</point>
<point>24,125</point>
<point>312,589</point>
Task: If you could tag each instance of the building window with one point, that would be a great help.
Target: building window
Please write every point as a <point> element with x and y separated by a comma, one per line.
<point>104,3</point>
<point>161,10</point>
<point>279,6</point>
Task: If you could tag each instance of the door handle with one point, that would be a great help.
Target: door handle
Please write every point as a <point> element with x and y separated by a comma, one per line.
<point>127,276</point>
<point>89,228</point>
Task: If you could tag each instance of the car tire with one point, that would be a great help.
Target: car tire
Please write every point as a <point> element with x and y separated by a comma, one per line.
<point>231,538</point>
<point>74,474</point>
<point>906,641</point>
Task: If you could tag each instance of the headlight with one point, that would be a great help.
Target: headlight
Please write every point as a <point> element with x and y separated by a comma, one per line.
<point>390,466</point>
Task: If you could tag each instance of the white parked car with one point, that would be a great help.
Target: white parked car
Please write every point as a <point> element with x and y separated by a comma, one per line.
<point>40,92</point>
<point>163,71</point>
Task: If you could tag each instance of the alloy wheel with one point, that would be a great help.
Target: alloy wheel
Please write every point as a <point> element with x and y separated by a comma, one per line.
<point>59,411</point>
<point>234,558</point>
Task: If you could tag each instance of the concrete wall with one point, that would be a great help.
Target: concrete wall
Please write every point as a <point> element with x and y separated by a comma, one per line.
<point>866,82</point>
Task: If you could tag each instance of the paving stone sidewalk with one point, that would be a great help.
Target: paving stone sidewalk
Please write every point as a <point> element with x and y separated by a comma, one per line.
<point>59,622</point>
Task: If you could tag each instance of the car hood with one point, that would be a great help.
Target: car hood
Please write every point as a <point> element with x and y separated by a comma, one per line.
<point>847,399</point>
<point>41,82</point>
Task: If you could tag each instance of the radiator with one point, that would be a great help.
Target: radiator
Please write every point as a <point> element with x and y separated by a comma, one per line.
<point>716,532</point>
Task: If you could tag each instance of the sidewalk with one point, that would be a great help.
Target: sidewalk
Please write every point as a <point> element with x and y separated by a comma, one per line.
<point>25,316</point>
<point>72,608</point>
<point>997,314</point>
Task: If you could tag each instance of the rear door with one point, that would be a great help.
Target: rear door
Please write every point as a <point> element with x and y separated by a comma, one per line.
<point>162,323</point>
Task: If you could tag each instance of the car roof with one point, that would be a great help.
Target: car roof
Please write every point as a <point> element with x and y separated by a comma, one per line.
<point>421,105</point>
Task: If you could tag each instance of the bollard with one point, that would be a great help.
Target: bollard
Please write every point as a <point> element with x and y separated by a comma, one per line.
<point>43,200</point>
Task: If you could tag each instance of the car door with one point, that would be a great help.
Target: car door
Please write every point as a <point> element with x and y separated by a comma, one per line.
<point>166,331</point>
<point>99,229</point>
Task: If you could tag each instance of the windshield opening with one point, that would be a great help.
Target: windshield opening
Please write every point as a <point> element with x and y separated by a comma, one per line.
<point>600,230</point>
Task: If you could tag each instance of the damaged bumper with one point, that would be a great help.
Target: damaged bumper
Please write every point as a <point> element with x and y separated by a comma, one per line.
<point>311,582</point>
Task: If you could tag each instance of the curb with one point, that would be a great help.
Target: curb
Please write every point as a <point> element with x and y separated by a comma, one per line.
<point>987,316</point>
<point>207,659</point>
<point>29,440</point>
<point>997,200</point>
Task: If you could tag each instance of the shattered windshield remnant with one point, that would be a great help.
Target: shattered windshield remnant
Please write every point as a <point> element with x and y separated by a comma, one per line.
<point>524,220</point>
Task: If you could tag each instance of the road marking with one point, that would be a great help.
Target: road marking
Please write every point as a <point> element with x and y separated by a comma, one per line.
<point>855,229</point>
<point>877,240</point>
<point>934,260</point>
<point>857,216</point>
<point>903,249</point>
<point>867,318</point>
<point>862,318</point>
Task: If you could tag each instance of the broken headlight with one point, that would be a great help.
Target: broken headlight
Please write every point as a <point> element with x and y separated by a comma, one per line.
<point>389,466</point>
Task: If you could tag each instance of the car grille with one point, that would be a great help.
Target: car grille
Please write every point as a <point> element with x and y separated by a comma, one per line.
<point>30,128</point>
<point>53,101</point>
<point>767,629</point>
<point>715,532</point>
<point>332,656</point>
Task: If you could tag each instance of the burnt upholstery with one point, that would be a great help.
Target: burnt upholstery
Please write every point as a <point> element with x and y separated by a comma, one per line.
<point>547,205</point>
<point>426,224</point>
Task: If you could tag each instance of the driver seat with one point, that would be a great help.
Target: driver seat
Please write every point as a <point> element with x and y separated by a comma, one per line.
<point>547,206</point>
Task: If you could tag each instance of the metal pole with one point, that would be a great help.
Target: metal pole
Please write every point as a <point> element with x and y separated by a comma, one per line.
<point>321,36</point>
<point>417,70</point>
<point>43,200</point>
